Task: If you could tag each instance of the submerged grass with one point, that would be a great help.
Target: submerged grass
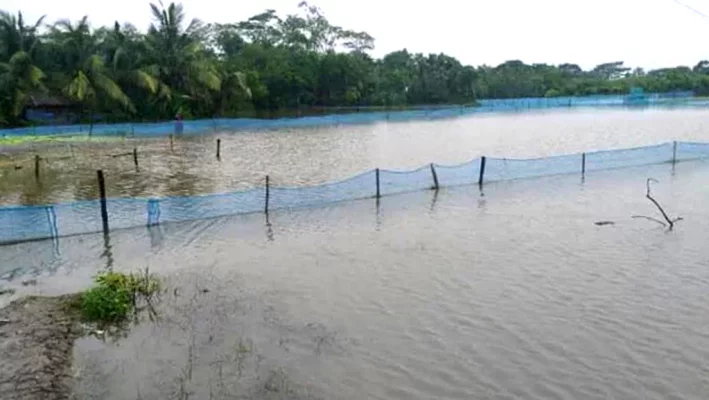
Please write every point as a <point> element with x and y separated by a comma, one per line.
<point>26,139</point>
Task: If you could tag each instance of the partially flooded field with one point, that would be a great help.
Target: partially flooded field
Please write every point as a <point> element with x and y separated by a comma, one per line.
<point>512,291</point>
<point>189,165</point>
<point>509,293</point>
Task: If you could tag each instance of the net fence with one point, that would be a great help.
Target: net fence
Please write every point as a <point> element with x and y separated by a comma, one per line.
<point>355,115</point>
<point>27,223</point>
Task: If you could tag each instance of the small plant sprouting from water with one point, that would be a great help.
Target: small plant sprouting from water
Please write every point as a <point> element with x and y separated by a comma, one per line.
<point>115,295</point>
<point>670,221</point>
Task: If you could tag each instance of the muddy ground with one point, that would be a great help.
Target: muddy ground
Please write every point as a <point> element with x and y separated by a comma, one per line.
<point>37,335</point>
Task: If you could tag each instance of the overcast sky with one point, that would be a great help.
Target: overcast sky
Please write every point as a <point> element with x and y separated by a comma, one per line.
<point>645,33</point>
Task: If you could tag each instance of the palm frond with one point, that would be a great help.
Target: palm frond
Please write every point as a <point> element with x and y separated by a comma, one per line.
<point>236,82</point>
<point>94,64</point>
<point>194,28</point>
<point>204,74</point>
<point>64,25</point>
<point>39,22</point>
<point>117,56</point>
<point>164,92</point>
<point>112,91</point>
<point>146,81</point>
<point>157,13</point>
<point>80,88</point>
<point>35,76</point>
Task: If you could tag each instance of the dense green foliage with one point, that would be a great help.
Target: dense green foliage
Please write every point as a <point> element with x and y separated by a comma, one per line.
<point>115,295</point>
<point>266,65</point>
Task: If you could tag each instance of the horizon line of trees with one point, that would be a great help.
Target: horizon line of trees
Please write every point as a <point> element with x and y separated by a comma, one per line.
<point>265,65</point>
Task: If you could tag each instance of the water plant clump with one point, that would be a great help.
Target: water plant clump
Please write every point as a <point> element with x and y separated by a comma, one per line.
<point>116,295</point>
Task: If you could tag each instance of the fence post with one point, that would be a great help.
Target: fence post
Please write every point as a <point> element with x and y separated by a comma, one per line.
<point>435,177</point>
<point>36,167</point>
<point>135,156</point>
<point>172,146</point>
<point>583,164</point>
<point>378,190</point>
<point>483,161</point>
<point>219,148</point>
<point>102,195</point>
<point>674,152</point>
<point>268,193</point>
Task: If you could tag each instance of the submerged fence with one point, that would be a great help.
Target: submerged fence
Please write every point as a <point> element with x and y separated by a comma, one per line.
<point>26,223</point>
<point>361,116</point>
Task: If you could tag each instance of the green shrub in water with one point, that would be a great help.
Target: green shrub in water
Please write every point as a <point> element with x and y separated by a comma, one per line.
<point>115,296</point>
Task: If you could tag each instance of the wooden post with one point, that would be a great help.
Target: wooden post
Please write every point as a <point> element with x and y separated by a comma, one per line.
<point>483,161</point>
<point>219,146</point>
<point>378,191</point>
<point>102,194</point>
<point>172,146</point>
<point>583,164</point>
<point>674,152</point>
<point>135,156</point>
<point>36,166</point>
<point>435,177</point>
<point>268,193</point>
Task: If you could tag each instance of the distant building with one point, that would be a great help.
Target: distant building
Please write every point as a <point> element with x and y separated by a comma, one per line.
<point>46,109</point>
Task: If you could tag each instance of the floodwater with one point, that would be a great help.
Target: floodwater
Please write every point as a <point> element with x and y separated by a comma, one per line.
<point>311,156</point>
<point>510,293</point>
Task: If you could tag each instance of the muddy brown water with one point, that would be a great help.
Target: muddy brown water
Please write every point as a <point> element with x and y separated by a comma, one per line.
<point>311,156</point>
<point>509,293</point>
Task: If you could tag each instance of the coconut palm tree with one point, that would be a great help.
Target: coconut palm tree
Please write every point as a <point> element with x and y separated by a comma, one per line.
<point>16,36</point>
<point>178,53</point>
<point>183,62</point>
<point>18,77</point>
<point>125,57</point>
<point>84,76</point>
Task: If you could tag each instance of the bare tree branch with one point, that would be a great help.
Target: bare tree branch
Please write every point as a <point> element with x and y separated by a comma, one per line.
<point>671,222</point>
<point>650,219</point>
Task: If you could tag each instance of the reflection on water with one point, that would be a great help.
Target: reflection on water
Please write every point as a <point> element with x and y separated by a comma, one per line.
<point>514,293</point>
<point>324,154</point>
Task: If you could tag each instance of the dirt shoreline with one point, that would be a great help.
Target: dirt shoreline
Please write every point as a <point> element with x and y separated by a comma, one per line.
<point>37,335</point>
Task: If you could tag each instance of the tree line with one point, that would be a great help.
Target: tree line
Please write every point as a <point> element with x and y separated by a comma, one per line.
<point>264,66</point>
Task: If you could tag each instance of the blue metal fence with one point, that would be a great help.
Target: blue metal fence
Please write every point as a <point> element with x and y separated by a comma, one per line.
<point>18,224</point>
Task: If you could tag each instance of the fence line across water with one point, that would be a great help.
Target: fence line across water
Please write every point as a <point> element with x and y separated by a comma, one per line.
<point>365,116</point>
<point>27,223</point>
